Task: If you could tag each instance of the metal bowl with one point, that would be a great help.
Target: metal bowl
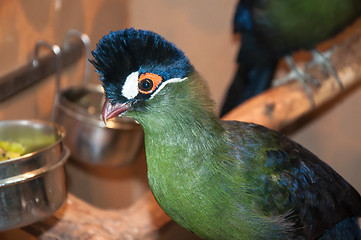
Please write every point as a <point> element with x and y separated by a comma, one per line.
<point>32,186</point>
<point>79,110</point>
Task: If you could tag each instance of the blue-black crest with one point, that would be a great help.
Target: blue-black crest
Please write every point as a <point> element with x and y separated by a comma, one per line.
<point>121,53</point>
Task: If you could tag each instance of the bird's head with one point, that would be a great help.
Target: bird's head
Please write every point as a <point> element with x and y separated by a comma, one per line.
<point>135,67</point>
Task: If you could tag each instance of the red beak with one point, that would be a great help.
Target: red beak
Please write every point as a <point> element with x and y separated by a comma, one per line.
<point>112,110</point>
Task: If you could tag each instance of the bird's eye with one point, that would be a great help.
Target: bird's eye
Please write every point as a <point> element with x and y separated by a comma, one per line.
<point>148,82</point>
<point>145,85</point>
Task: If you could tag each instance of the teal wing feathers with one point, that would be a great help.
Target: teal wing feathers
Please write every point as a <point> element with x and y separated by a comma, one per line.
<point>286,179</point>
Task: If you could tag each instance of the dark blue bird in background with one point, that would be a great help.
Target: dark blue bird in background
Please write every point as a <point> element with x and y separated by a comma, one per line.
<point>273,29</point>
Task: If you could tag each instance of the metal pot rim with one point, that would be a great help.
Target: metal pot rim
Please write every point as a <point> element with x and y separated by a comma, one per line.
<point>56,150</point>
<point>24,177</point>
<point>60,130</point>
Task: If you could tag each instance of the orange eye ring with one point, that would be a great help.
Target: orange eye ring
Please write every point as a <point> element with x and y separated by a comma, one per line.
<point>148,82</point>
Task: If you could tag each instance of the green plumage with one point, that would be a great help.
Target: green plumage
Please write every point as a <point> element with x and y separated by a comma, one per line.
<point>221,180</point>
<point>273,29</point>
<point>217,178</point>
<point>190,169</point>
<point>296,24</point>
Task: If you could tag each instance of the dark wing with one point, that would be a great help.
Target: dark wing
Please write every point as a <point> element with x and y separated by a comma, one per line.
<point>256,66</point>
<point>289,179</point>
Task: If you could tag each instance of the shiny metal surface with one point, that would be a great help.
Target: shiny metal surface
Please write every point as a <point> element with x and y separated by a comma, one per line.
<point>79,110</point>
<point>32,186</point>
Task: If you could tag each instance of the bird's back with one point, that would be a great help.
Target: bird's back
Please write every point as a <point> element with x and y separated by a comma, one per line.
<point>286,179</point>
<point>283,26</point>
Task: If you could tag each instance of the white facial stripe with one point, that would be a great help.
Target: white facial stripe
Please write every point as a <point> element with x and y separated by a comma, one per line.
<point>130,87</point>
<point>172,80</point>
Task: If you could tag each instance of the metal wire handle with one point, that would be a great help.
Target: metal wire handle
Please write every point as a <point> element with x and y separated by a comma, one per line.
<point>57,51</point>
<point>72,33</point>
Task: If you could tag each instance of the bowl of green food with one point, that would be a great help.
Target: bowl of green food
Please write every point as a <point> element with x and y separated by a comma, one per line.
<point>32,180</point>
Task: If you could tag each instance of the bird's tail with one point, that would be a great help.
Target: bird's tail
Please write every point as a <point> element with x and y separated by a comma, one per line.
<point>250,80</point>
<point>348,228</point>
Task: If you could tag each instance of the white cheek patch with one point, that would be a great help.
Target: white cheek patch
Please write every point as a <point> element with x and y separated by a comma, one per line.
<point>172,80</point>
<point>130,87</point>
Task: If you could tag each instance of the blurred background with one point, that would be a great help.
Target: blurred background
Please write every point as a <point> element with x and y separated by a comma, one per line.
<point>202,29</point>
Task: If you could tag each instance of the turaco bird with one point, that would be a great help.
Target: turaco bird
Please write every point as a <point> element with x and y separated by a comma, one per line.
<point>222,180</point>
<point>272,29</point>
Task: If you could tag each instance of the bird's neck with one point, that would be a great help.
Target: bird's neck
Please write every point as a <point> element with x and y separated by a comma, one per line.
<point>186,122</point>
<point>183,143</point>
<point>182,133</point>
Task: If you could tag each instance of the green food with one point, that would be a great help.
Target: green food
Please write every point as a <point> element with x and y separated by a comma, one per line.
<point>37,142</point>
<point>9,150</point>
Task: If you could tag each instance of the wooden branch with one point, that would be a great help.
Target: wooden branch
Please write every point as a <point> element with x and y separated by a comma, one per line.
<point>274,108</point>
<point>284,104</point>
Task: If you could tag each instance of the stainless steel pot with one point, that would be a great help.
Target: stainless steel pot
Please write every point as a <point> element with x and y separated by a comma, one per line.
<point>32,186</point>
<point>79,110</point>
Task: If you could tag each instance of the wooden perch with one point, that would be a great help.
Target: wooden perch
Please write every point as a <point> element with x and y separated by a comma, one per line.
<point>284,104</point>
<point>274,108</point>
